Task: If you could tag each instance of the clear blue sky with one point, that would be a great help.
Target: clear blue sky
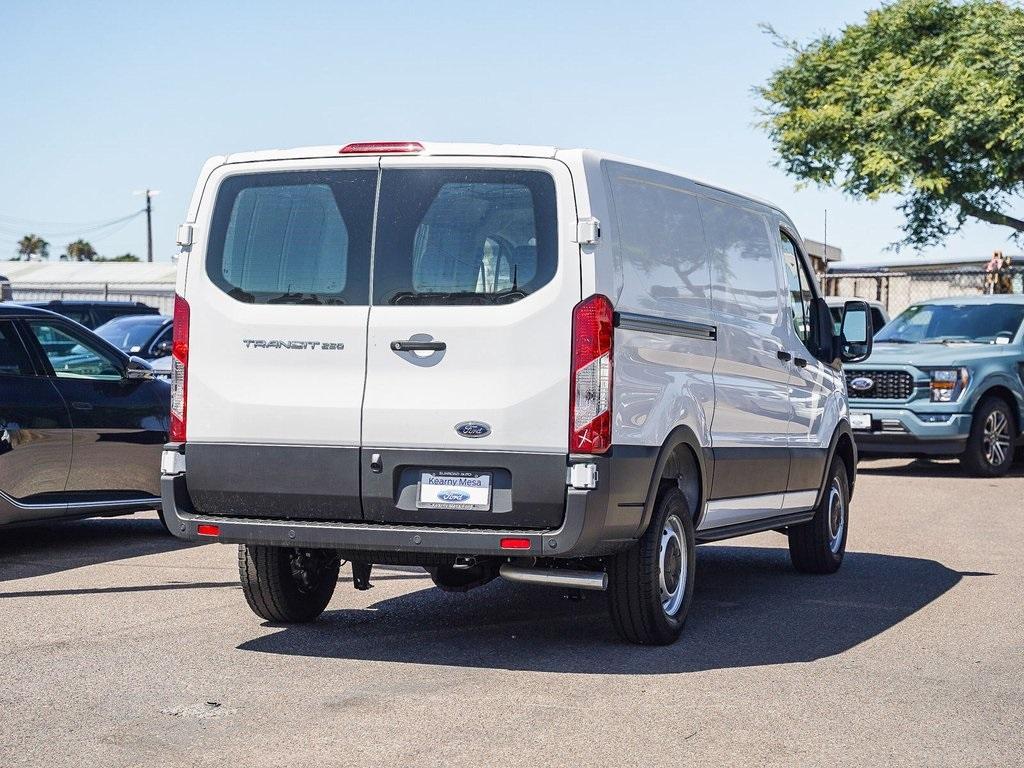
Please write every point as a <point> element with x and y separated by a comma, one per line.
<point>104,98</point>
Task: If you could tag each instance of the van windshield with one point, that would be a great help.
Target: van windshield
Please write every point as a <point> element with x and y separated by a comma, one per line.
<point>443,236</point>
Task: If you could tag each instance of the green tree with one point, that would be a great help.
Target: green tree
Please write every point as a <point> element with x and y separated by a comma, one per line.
<point>80,250</point>
<point>924,100</point>
<point>32,245</point>
<point>122,257</point>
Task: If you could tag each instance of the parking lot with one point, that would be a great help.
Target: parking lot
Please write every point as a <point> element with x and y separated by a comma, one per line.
<point>123,647</point>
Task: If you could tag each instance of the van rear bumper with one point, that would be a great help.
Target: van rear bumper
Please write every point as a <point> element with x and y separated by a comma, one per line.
<point>583,530</point>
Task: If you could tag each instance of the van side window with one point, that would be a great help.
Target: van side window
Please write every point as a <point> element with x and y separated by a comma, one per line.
<point>463,236</point>
<point>661,240</point>
<point>293,238</point>
<point>800,295</point>
<point>744,281</point>
<point>14,359</point>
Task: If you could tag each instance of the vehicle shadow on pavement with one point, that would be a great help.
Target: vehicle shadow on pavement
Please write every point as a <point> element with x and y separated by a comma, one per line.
<point>929,468</point>
<point>750,608</point>
<point>43,548</point>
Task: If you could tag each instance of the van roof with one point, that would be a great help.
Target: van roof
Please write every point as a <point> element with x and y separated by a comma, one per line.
<point>464,149</point>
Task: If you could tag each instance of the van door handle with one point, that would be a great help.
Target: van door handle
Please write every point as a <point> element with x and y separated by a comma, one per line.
<point>80,406</point>
<point>418,346</point>
<point>799,362</point>
<point>784,356</point>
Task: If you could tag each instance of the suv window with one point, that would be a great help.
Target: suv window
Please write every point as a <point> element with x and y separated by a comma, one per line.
<point>14,358</point>
<point>460,236</point>
<point>798,287</point>
<point>73,356</point>
<point>293,238</point>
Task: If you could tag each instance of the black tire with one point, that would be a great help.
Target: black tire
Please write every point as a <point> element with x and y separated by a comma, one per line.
<point>287,585</point>
<point>818,545</point>
<point>635,596</point>
<point>981,457</point>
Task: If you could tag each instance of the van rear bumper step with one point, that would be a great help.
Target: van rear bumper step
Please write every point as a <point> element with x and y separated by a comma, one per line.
<point>582,531</point>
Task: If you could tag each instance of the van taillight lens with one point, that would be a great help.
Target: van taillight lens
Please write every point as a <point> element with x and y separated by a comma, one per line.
<point>590,388</point>
<point>179,370</point>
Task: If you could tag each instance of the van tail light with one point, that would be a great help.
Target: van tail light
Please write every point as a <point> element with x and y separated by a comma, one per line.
<point>590,386</point>
<point>179,370</point>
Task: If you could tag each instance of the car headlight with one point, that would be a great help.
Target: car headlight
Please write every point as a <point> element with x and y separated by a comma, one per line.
<point>947,384</point>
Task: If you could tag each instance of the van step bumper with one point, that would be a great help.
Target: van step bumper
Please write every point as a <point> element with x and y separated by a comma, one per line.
<point>583,530</point>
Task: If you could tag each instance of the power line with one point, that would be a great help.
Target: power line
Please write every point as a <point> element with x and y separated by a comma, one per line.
<point>93,229</point>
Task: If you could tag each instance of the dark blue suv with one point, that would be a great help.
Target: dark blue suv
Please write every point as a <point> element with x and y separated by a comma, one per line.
<point>946,378</point>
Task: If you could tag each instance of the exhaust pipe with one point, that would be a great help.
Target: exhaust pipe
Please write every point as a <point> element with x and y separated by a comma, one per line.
<point>555,577</point>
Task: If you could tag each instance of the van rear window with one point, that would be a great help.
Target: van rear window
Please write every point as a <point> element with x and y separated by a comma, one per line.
<point>460,236</point>
<point>444,236</point>
<point>293,238</point>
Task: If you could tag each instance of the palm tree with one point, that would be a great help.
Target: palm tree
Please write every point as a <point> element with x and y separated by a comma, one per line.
<point>80,250</point>
<point>32,245</point>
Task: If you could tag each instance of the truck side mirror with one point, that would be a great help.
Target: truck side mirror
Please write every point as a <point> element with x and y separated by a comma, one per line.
<point>855,333</point>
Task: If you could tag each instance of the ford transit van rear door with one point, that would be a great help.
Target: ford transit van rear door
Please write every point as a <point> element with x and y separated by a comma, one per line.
<point>475,275</point>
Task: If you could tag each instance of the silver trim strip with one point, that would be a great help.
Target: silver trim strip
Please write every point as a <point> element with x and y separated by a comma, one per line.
<point>746,509</point>
<point>81,505</point>
<point>631,321</point>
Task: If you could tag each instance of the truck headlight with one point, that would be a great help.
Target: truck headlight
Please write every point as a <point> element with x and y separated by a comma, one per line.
<point>947,384</point>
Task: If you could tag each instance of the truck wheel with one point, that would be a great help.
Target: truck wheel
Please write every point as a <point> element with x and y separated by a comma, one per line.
<point>650,585</point>
<point>989,450</point>
<point>287,585</point>
<point>818,545</point>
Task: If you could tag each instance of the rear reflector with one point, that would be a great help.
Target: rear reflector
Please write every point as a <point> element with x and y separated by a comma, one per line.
<point>204,529</point>
<point>381,148</point>
<point>515,543</point>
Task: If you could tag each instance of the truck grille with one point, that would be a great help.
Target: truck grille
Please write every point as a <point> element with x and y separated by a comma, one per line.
<point>885,385</point>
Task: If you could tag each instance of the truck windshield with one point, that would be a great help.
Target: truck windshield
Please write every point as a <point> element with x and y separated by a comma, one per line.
<point>965,323</point>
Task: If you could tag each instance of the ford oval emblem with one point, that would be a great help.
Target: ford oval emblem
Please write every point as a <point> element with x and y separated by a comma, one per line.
<point>453,496</point>
<point>473,429</point>
<point>862,384</point>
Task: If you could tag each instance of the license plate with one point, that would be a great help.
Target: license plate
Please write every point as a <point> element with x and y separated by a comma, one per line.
<point>455,490</point>
<point>860,420</point>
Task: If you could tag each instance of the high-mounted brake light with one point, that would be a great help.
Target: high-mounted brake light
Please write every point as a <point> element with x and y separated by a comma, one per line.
<point>179,370</point>
<point>381,148</point>
<point>590,384</point>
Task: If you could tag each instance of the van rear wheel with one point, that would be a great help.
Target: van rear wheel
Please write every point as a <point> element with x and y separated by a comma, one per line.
<point>818,545</point>
<point>287,585</point>
<point>650,585</point>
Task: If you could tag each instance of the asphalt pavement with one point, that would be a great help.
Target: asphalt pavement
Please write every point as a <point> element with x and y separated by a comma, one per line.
<point>122,646</point>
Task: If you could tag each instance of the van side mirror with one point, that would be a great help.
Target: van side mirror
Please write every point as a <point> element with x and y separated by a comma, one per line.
<point>823,330</point>
<point>855,333</point>
<point>138,368</point>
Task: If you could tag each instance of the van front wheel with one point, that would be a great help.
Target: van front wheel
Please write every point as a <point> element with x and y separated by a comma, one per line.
<point>818,545</point>
<point>287,585</point>
<point>650,585</point>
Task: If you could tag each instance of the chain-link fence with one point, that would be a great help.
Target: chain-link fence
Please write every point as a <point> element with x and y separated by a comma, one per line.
<point>159,295</point>
<point>898,290</point>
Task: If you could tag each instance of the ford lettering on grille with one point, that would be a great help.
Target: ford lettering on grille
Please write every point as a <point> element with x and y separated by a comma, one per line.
<point>862,384</point>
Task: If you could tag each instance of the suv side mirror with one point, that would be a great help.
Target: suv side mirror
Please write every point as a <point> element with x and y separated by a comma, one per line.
<point>138,368</point>
<point>855,333</point>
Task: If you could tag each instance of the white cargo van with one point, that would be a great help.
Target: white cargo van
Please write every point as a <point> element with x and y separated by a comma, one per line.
<point>554,366</point>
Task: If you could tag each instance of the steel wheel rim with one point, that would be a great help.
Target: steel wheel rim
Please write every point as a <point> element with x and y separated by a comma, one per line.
<point>995,438</point>
<point>672,565</point>
<point>836,517</point>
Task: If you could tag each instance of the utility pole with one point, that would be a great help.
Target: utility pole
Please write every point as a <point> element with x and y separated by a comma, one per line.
<point>150,194</point>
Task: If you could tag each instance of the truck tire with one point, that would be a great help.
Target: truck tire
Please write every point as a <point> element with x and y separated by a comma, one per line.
<point>818,545</point>
<point>287,585</point>
<point>989,451</point>
<point>650,585</point>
